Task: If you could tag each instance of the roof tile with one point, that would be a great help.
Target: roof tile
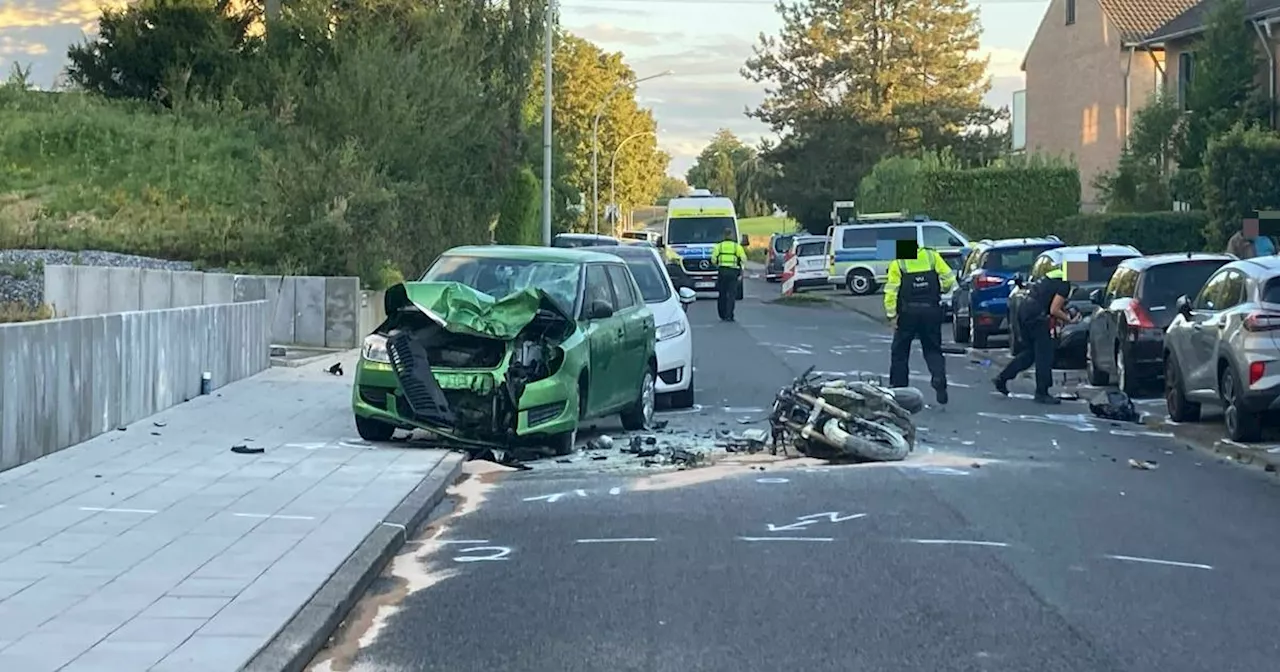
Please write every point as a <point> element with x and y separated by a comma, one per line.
<point>1136,19</point>
<point>1194,17</point>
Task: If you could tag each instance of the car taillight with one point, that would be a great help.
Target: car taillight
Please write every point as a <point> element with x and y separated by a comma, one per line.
<point>1262,322</point>
<point>1256,369</point>
<point>1137,316</point>
<point>987,281</point>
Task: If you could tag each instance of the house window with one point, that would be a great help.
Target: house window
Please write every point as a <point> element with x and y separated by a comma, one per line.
<point>1186,68</point>
<point>1071,12</point>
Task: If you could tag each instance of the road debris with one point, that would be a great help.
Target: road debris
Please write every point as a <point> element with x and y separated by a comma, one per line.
<point>246,450</point>
<point>1114,405</point>
<point>336,369</point>
<point>1144,465</point>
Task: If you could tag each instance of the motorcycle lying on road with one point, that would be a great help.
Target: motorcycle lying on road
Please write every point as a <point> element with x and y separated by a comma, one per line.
<point>854,420</point>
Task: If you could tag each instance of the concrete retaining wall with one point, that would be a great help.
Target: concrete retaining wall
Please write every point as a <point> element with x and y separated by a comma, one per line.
<point>66,381</point>
<point>310,311</point>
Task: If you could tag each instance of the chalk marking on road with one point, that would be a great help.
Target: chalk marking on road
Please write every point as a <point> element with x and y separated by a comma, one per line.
<point>100,509</point>
<point>1078,422</point>
<point>772,480</point>
<point>959,542</point>
<point>495,553</point>
<point>735,410</point>
<point>786,539</point>
<point>615,491</point>
<point>1154,561</point>
<point>459,542</point>
<point>556,496</point>
<point>1125,432</point>
<point>832,516</point>
<point>936,471</point>
<point>270,515</point>
<point>616,540</point>
<point>793,526</point>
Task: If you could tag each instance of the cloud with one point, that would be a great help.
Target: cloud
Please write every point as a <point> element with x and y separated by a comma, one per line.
<point>619,38</point>
<point>11,46</point>
<point>36,14</point>
<point>1004,62</point>
<point>573,9</point>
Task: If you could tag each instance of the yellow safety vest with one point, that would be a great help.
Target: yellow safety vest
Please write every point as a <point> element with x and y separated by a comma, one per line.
<point>725,254</point>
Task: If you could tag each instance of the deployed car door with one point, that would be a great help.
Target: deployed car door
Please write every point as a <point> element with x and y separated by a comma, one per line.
<point>1104,328</point>
<point>638,331</point>
<point>1198,356</point>
<point>603,334</point>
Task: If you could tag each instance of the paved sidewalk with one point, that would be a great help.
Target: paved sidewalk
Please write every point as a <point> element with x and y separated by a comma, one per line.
<point>157,548</point>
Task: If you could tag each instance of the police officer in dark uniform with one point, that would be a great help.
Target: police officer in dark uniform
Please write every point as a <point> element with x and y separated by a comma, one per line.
<point>913,304</point>
<point>729,257</point>
<point>1046,297</point>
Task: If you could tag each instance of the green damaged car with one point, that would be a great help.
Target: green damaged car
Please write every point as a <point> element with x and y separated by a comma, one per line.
<point>570,339</point>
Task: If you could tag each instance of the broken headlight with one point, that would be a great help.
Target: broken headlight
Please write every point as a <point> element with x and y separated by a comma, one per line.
<point>670,330</point>
<point>375,349</point>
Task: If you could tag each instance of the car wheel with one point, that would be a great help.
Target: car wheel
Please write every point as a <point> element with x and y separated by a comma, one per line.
<point>640,414</point>
<point>860,282</point>
<point>980,338</point>
<point>1125,373</point>
<point>959,330</point>
<point>1242,425</point>
<point>1175,394</point>
<point>373,430</point>
<point>1096,377</point>
<point>684,398</point>
<point>564,443</point>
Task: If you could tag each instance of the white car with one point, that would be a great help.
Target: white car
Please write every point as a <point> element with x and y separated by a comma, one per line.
<point>674,346</point>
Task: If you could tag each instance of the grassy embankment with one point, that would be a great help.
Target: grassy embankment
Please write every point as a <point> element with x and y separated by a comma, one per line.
<point>759,229</point>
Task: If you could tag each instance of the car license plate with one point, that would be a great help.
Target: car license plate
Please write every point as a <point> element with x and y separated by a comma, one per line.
<point>705,284</point>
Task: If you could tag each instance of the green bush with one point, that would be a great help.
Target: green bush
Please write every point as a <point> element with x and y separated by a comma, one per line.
<point>1001,202</point>
<point>1241,176</point>
<point>894,184</point>
<point>1151,232</point>
<point>518,221</point>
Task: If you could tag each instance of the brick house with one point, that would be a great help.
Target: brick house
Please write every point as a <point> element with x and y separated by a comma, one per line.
<point>1087,71</point>
<point>1178,37</point>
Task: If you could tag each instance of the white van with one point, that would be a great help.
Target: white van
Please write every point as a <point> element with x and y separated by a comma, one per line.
<point>854,262</point>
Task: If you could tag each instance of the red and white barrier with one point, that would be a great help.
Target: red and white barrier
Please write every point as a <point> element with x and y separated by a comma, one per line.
<point>789,272</point>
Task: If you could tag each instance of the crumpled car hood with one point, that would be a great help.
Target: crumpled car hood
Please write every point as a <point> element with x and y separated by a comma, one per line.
<point>463,310</point>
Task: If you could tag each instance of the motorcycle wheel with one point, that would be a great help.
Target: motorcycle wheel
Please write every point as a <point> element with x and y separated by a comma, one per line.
<point>889,445</point>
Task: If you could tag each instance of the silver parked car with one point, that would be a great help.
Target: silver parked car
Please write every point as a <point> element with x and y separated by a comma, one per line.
<point>1223,348</point>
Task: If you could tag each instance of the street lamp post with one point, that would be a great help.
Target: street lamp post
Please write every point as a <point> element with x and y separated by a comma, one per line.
<point>613,163</point>
<point>546,123</point>
<point>595,144</point>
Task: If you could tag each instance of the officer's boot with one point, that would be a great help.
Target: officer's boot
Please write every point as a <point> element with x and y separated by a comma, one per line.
<point>940,389</point>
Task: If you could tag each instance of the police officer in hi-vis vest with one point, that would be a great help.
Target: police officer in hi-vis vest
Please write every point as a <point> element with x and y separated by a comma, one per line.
<point>913,304</point>
<point>729,257</point>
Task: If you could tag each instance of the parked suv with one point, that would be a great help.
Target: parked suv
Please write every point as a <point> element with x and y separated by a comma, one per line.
<point>981,301</point>
<point>776,257</point>
<point>1072,339</point>
<point>1223,347</point>
<point>1126,332</point>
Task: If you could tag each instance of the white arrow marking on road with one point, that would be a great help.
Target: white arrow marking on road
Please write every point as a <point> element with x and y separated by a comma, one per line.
<point>833,516</point>
<point>793,526</point>
<point>556,496</point>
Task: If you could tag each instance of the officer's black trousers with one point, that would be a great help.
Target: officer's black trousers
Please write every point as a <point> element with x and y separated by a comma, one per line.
<point>727,280</point>
<point>924,324</point>
<point>1037,349</point>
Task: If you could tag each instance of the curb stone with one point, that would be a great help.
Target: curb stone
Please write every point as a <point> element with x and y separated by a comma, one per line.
<point>297,643</point>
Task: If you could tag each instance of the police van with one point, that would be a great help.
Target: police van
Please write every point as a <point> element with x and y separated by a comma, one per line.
<point>694,225</point>
<point>861,250</point>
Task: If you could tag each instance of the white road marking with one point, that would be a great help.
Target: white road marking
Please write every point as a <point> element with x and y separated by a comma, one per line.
<point>100,509</point>
<point>959,542</point>
<point>1153,561</point>
<point>785,539</point>
<point>615,491</point>
<point>831,516</point>
<point>466,542</point>
<point>616,540</point>
<point>495,553</point>
<point>793,526</point>
<point>556,496</point>
<point>772,480</point>
<point>269,515</point>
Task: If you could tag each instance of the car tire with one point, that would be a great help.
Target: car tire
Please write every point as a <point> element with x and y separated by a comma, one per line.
<point>1175,393</point>
<point>981,338</point>
<point>374,430</point>
<point>1096,377</point>
<point>564,443</point>
<point>1126,377</point>
<point>639,415</point>
<point>959,330</point>
<point>1242,425</point>
<point>684,398</point>
<point>860,282</point>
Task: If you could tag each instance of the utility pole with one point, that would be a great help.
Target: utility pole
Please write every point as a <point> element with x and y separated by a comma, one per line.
<point>546,124</point>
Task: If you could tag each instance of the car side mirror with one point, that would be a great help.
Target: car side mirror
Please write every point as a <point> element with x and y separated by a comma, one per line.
<point>660,241</point>
<point>1183,306</point>
<point>687,295</point>
<point>599,310</point>
<point>1096,297</point>
<point>746,240</point>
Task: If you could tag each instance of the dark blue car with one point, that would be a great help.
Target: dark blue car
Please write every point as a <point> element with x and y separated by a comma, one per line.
<point>981,300</point>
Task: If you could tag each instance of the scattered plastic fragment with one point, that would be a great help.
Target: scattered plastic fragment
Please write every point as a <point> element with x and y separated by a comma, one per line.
<point>246,450</point>
<point>1144,465</point>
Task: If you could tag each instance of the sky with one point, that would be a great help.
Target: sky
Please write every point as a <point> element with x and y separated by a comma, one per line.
<point>703,42</point>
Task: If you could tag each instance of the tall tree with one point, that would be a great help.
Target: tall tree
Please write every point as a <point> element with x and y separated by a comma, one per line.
<point>895,73</point>
<point>671,187</point>
<point>731,168</point>
<point>583,77</point>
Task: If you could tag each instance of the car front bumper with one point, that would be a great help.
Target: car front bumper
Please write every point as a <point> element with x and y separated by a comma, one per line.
<point>546,407</point>
<point>675,364</point>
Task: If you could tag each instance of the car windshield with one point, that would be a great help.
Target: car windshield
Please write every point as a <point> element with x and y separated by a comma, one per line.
<point>1013,260</point>
<point>1163,284</point>
<point>584,241</point>
<point>502,277</point>
<point>814,248</point>
<point>782,243</point>
<point>698,230</point>
<point>651,277</point>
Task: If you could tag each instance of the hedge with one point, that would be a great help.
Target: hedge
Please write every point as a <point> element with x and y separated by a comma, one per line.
<point>1241,176</point>
<point>518,220</point>
<point>1001,202</point>
<point>1150,232</point>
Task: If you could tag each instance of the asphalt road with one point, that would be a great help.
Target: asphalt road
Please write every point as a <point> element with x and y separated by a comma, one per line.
<point>1014,539</point>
